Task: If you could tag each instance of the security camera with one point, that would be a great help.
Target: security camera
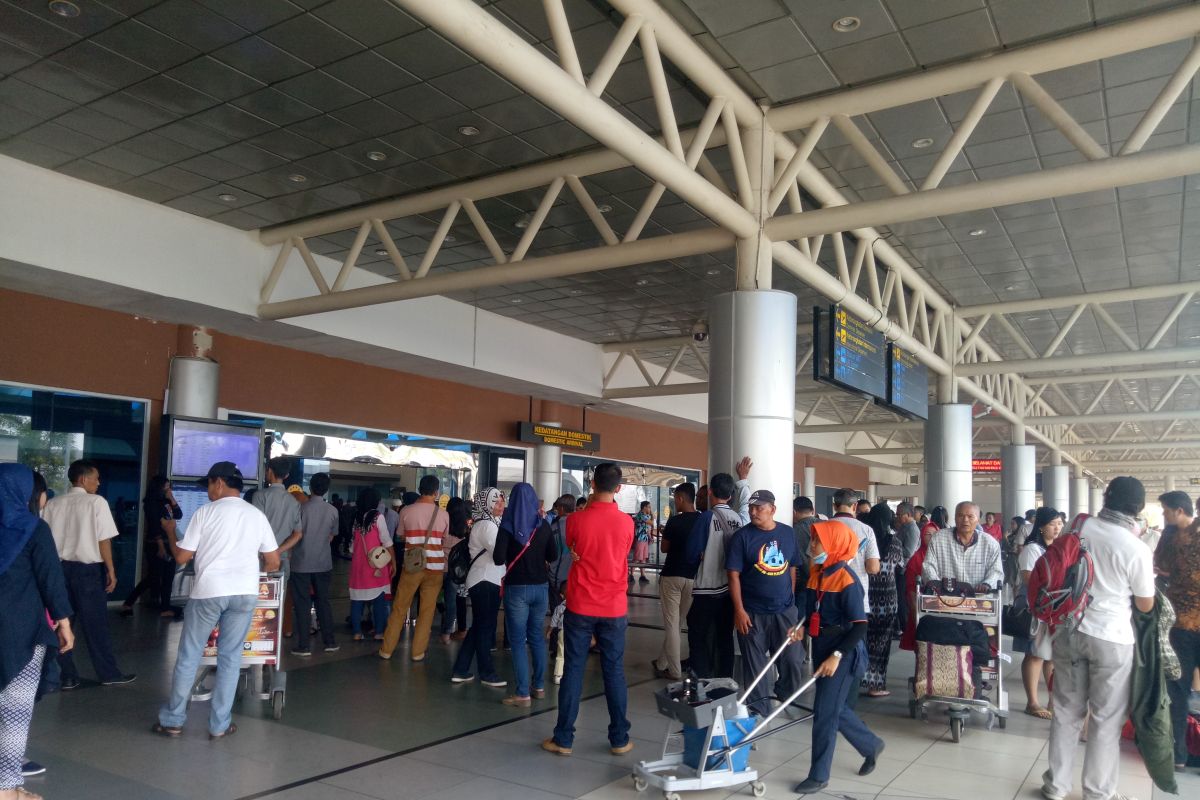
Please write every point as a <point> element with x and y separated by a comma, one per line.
<point>700,331</point>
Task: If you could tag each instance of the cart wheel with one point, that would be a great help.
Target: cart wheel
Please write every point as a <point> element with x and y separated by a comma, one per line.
<point>759,788</point>
<point>277,702</point>
<point>639,783</point>
<point>956,729</point>
<point>912,709</point>
<point>670,795</point>
<point>1002,722</point>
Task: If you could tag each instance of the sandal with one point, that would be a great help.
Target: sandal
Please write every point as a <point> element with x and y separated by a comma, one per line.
<point>1039,712</point>
<point>879,693</point>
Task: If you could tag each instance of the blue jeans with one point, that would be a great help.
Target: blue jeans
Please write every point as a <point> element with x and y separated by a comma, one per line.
<point>450,605</point>
<point>610,637</point>
<point>524,618</point>
<point>232,613</point>
<point>380,607</point>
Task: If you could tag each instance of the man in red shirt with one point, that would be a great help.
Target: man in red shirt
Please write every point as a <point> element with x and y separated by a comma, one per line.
<point>599,538</point>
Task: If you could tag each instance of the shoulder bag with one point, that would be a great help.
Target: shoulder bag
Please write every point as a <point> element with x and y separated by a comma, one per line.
<point>414,558</point>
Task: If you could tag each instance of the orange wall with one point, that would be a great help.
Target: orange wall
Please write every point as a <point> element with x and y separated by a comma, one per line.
<point>54,343</point>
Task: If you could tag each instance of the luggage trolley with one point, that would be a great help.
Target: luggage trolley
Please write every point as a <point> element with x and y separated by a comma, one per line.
<point>985,609</point>
<point>260,652</point>
<point>718,733</point>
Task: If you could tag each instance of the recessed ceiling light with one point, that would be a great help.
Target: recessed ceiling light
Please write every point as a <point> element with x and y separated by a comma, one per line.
<point>604,208</point>
<point>468,130</point>
<point>1009,288</point>
<point>523,222</point>
<point>977,232</point>
<point>1032,319</point>
<point>381,252</point>
<point>846,24</point>
<point>610,333</point>
<point>450,237</point>
<point>377,155</point>
<point>640,282</point>
<point>296,177</point>
<point>64,8</point>
<point>516,301</point>
<point>227,198</point>
<point>922,143</point>
<point>577,291</point>
<point>713,272</point>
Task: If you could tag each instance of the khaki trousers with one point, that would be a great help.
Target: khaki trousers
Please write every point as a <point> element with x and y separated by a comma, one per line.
<point>676,597</point>
<point>429,583</point>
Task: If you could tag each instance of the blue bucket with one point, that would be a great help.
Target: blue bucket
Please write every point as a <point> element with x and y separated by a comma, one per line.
<point>735,729</point>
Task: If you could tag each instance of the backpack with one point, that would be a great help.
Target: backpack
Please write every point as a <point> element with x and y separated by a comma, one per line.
<point>459,562</point>
<point>1061,580</point>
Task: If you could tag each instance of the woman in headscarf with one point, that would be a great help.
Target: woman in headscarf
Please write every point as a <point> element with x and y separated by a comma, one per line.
<point>31,586</point>
<point>525,546</point>
<point>912,575</point>
<point>483,586</point>
<point>883,610</point>
<point>835,620</point>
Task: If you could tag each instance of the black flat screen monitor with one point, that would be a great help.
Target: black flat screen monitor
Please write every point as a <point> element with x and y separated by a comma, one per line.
<point>190,499</point>
<point>908,383</point>
<point>849,353</point>
<point>198,444</point>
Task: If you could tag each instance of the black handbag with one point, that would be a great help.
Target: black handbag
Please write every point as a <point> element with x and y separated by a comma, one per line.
<point>1017,622</point>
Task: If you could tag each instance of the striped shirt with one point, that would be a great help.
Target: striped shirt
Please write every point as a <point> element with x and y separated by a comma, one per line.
<point>978,562</point>
<point>414,519</point>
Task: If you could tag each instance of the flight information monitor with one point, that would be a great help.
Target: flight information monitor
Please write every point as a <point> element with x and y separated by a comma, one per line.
<point>908,383</point>
<point>198,444</point>
<point>190,499</point>
<point>849,353</point>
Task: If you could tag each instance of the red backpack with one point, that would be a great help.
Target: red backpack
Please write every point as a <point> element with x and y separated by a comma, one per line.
<point>1061,580</point>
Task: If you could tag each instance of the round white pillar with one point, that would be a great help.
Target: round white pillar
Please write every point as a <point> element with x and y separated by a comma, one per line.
<point>752,389</point>
<point>546,468</point>
<point>1056,487</point>
<point>1018,481</point>
<point>948,455</point>
<point>1097,499</point>
<point>1168,483</point>
<point>872,493</point>
<point>1080,497</point>
<point>809,487</point>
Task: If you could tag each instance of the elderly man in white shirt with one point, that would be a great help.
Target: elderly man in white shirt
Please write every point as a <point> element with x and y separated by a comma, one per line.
<point>965,553</point>
<point>224,538</point>
<point>83,529</point>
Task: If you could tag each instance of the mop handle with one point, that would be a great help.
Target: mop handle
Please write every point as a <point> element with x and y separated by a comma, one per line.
<point>767,719</point>
<point>763,673</point>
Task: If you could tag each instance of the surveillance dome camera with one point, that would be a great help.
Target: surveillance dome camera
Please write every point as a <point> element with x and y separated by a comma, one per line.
<point>700,331</point>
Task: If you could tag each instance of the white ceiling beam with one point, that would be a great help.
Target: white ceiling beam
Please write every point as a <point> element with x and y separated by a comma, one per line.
<point>1101,377</point>
<point>1071,300</point>
<point>1091,361</point>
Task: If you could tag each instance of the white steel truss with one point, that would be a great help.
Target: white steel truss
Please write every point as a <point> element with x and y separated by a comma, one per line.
<point>868,276</point>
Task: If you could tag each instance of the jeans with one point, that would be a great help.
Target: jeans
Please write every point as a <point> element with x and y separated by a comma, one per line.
<point>379,614</point>
<point>676,595</point>
<point>578,631</point>
<point>85,590</point>
<point>710,635</point>
<point>1187,647</point>
<point>524,618</point>
<point>232,614</point>
<point>309,588</point>
<point>450,606</point>
<point>481,637</point>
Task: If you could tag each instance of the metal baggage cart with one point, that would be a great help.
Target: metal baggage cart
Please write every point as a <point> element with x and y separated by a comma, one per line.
<point>717,702</point>
<point>261,651</point>
<point>988,610</point>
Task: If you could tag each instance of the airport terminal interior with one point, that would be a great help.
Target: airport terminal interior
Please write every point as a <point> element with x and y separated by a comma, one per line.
<point>934,252</point>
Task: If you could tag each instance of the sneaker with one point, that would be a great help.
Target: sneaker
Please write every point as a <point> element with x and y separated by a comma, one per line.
<point>495,681</point>
<point>557,680</point>
<point>70,683</point>
<point>520,702</point>
<point>120,680</point>
<point>1048,791</point>
<point>332,648</point>
<point>551,746</point>
<point>296,651</point>
<point>31,768</point>
<point>462,678</point>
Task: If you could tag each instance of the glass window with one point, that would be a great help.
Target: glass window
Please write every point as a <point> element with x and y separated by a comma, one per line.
<point>47,430</point>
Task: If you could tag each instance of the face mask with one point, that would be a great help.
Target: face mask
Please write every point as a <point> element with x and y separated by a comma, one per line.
<point>818,560</point>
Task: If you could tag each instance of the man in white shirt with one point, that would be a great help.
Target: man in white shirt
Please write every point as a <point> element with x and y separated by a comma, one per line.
<point>83,529</point>
<point>965,553</point>
<point>1093,662</point>
<point>225,539</point>
<point>866,560</point>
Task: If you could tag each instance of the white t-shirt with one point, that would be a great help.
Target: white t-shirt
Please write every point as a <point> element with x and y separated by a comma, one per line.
<point>1030,554</point>
<point>1124,569</point>
<point>867,548</point>
<point>227,535</point>
<point>79,522</point>
<point>483,539</point>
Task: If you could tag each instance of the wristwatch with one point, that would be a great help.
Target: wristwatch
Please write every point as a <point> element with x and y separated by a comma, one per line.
<point>836,654</point>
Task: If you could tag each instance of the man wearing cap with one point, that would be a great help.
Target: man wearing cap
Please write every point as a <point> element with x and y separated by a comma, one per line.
<point>761,561</point>
<point>224,538</point>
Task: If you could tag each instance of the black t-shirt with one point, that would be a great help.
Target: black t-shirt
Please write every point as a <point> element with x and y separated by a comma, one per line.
<point>676,533</point>
<point>530,568</point>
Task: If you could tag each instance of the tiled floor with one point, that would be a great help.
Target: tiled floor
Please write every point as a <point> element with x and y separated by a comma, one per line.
<point>357,728</point>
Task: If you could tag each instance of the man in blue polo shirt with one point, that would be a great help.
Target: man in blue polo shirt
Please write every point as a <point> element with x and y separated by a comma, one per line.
<point>761,561</point>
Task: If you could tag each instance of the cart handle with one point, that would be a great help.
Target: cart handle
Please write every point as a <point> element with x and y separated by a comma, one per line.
<point>766,669</point>
<point>761,726</point>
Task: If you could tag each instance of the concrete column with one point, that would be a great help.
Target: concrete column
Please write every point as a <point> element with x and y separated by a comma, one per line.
<point>1018,484</point>
<point>546,469</point>
<point>1168,483</point>
<point>752,388</point>
<point>872,493</point>
<point>1056,487</point>
<point>809,487</point>
<point>1080,495</point>
<point>948,455</point>
<point>1097,499</point>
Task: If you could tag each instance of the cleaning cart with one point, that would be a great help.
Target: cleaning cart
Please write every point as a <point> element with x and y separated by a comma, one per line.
<point>713,748</point>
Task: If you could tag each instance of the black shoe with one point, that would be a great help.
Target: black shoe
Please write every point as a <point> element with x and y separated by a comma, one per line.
<point>70,683</point>
<point>868,765</point>
<point>810,786</point>
<point>31,768</point>
<point>120,680</point>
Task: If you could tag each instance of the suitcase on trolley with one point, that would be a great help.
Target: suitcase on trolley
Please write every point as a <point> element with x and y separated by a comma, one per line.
<point>944,670</point>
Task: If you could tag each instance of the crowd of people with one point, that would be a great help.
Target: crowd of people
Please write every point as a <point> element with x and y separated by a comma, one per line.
<point>845,586</point>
